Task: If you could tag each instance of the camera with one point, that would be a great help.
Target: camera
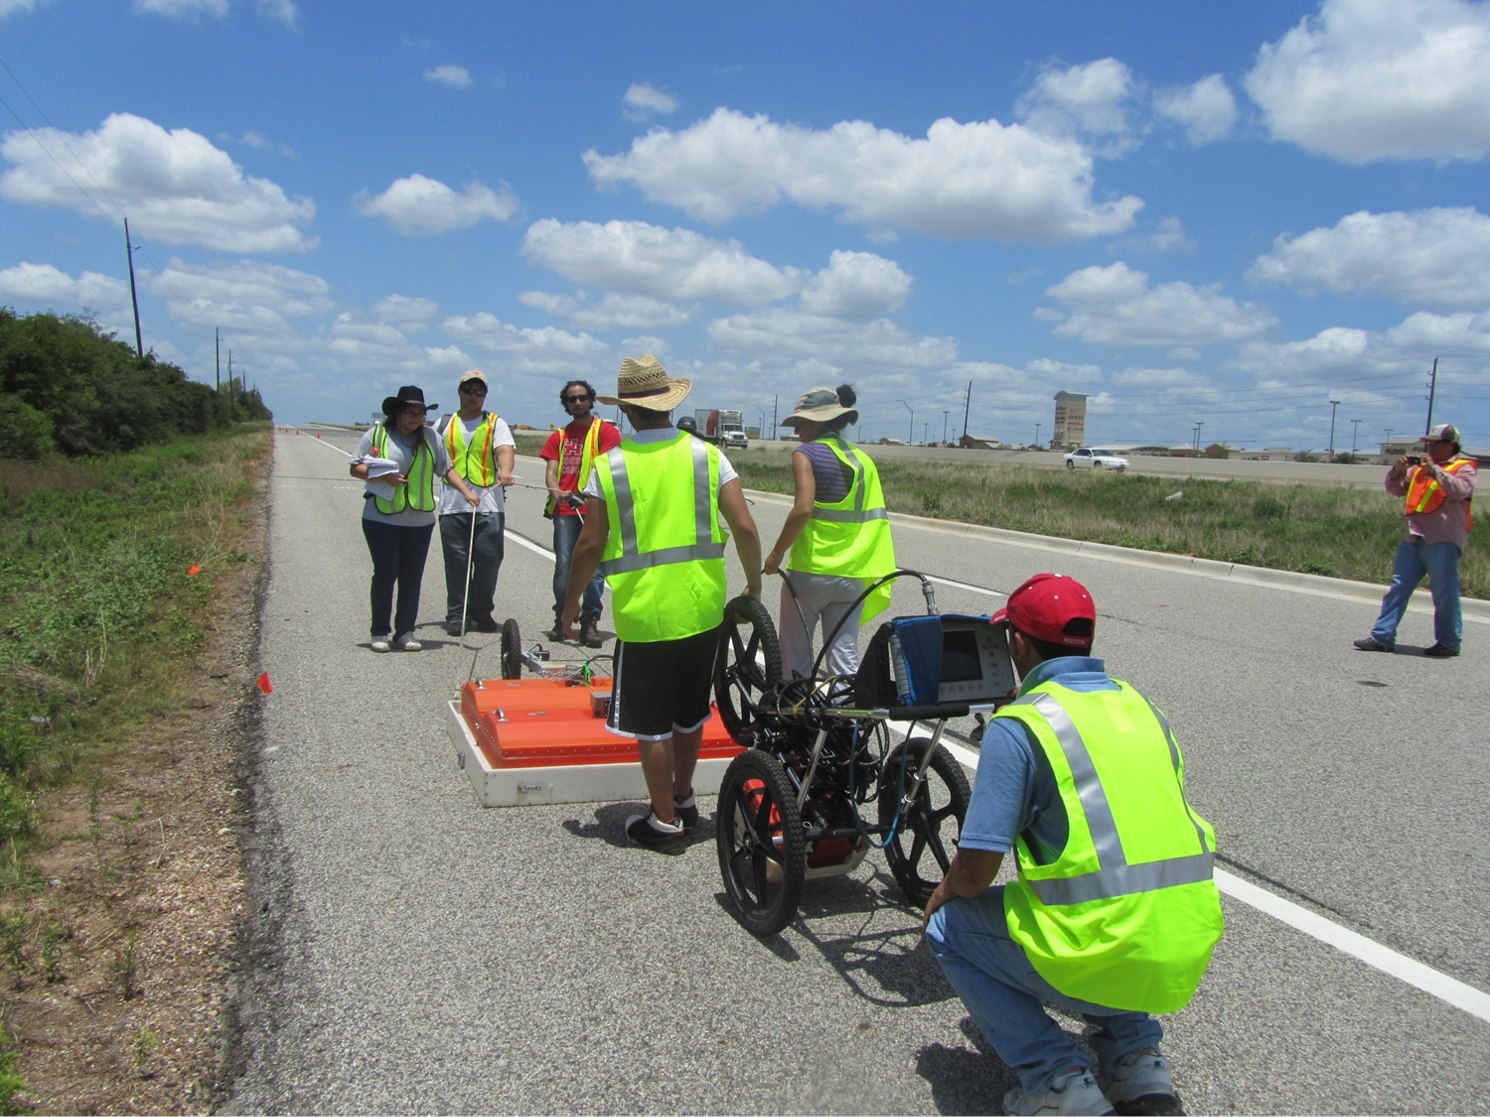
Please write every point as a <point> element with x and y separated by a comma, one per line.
<point>1415,459</point>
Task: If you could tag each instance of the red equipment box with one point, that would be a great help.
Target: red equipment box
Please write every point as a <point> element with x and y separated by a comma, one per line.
<point>542,723</point>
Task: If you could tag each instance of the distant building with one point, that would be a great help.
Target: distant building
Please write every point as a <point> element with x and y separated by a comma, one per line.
<point>1222,450</point>
<point>976,442</point>
<point>1271,454</point>
<point>1070,421</point>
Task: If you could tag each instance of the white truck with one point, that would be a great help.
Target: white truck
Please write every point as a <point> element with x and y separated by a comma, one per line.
<point>727,427</point>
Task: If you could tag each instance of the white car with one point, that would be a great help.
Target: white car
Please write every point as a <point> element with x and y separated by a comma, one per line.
<point>1095,459</point>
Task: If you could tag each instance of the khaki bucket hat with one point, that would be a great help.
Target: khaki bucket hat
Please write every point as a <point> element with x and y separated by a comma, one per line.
<point>820,405</point>
<point>643,382</point>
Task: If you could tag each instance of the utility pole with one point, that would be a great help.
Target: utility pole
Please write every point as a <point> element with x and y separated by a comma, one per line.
<point>911,437</point>
<point>969,410</point>
<point>1037,436</point>
<point>230,385</point>
<point>1197,437</point>
<point>775,401</point>
<point>925,434</point>
<point>1334,403</point>
<point>1355,425</point>
<point>1432,388</point>
<point>129,250</point>
<point>944,426</point>
<point>217,341</point>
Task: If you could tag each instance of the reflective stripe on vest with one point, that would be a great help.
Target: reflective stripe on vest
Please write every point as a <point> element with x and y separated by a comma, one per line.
<point>849,538</point>
<point>1425,494</point>
<point>1116,877</point>
<point>666,574</point>
<point>461,455</point>
<point>589,450</point>
<point>421,477</point>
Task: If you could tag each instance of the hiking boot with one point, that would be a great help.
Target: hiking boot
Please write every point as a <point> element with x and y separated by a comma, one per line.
<point>1069,1093</point>
<point>1441,651</point>
<point>665,837</point>
<point>687,808</point>
<point>452,628</point>
<point>487,624</point>
<point>407,643</point>
<point>1371,644</point>
<point>1140,1082</point>
<point>381,644</point>
<point>589,633</point>
<point>556,634</point>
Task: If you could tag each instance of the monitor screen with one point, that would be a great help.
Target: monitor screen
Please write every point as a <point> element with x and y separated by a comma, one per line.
<point>960,663</point>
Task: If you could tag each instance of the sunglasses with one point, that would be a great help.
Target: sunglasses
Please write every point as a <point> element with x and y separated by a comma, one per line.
<point>473,389</point>
<point>577,399</point>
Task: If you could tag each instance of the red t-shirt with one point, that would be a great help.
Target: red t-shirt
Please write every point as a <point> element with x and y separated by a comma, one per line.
<point>574,446</point>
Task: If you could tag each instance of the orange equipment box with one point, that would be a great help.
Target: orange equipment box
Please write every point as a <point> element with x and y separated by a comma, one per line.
<point>542,723</point>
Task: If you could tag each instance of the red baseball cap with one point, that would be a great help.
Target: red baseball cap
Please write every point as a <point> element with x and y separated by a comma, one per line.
<point>1044,605</point>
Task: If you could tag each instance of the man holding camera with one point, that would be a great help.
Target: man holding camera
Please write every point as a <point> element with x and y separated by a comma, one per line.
<point>1436,489</point>
<point>570,455</point>
<point>1115,913</point>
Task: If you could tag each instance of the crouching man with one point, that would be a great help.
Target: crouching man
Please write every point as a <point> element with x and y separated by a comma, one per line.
<point>1114,914</point>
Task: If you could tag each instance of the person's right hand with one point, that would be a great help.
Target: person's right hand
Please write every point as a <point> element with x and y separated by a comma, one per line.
<point>772,563</point>
<point>398,479</point>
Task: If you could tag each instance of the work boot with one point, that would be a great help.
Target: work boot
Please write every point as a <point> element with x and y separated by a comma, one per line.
<point>1441,651</point>
<point>1371,644</point>
<point>555,634</point>
<point>1070,1093</point>
<point>589,633</point>
<point>1140,1082</point>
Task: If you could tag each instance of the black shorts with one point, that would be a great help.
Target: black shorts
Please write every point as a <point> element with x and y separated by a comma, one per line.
<point>663,687</point>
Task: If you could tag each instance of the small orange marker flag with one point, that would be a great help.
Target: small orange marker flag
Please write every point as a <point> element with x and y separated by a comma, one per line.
<point>193,570</point>
<point>263,683</point>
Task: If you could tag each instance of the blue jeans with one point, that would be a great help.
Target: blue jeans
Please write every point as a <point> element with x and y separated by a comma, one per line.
<point>455,536</point>
<point>398,555</point>
<point>993,976</point>
<point>566,532</point>
<point>1440,562</point>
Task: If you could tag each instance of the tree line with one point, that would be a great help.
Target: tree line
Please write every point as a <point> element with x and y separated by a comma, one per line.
<point>66,385</point>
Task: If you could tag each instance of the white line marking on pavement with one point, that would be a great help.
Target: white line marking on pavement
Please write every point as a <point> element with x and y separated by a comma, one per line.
<point>966,586</point>
<point>323,442</point>
<point>1374,954</point>
<point>523,541</point>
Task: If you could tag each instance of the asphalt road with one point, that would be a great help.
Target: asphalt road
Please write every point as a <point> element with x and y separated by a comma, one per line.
<point>421,954</point>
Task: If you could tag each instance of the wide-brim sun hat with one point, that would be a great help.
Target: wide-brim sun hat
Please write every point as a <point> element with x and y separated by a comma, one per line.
<point>819,405</point>
<point>643,382</point>
<point>409,393</point>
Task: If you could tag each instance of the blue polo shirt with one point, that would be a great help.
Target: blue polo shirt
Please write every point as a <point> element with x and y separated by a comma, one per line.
<point>1015,791</point>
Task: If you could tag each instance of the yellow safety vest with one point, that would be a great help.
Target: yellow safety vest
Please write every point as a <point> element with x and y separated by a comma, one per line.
<point>478,466</point>
<point>588,450</point>
<point>1425,494</point>
<point>664,559</point>
<point>1128,914</point>
<point>850,538</point>
<point>419,492</point>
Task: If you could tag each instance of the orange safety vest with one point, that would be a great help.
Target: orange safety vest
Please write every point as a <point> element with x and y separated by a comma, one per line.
<point>1425,494</point>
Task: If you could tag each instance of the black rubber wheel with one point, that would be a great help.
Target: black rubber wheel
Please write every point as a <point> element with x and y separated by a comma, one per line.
<point>748,666</point>
<point>925,840</point>
<point>512,650</point>
<point>1070,464</point>
<point>762,856</point>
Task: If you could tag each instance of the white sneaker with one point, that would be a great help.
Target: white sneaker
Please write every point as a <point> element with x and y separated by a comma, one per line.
<point>1141,1078</point>
<point>381,644</point>
<point>407,643</point>
<point>1069,1093</point>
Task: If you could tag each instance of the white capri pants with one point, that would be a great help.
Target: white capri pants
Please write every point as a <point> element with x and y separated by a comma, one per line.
<point>824,597</point>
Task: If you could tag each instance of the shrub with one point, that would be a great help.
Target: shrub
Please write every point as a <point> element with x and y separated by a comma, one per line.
<point>25,433</point>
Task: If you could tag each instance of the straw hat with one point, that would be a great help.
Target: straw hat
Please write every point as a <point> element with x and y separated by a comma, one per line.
<point>645,383</point>
<point>822,405</point>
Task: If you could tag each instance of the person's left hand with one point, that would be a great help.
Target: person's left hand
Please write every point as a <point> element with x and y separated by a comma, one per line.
<point>566,623</point>
<point>505,478</point>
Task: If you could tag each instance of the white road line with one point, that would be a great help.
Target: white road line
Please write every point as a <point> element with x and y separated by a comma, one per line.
<point>323,442</point>
<point>1433,982</point>
<point>966,586</point>
<point>524,541</point>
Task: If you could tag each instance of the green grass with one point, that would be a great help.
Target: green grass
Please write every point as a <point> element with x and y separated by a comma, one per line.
<point>1337,532</point>
<point>98,615</point>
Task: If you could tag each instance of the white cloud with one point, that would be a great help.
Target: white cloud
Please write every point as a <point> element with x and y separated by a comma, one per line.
<point>1168,236</point>
<point>175,186</point>
<point>184,9</point>
<point>847,348</point>
<point>1437,257</point>
<point>1206,110</point>
<point>44,285</point>
<point>282,10</point>
<point>9,6</point>
<point>411,312</point>
<point>417,204</point>
<point>963,180</point>
<point>631,312</point>
<point>671,264</point>
<point>1089,102</point>
<point>259,142</point>
<point>1114,305</point>
<point>1157,378</point>
<point>1381,79</point>
<point>246,295</point>
<point>642,100</point>
<point>1050,371</point>
<point>457,77</point>
<point>528,350</point>
<point>857,286</point>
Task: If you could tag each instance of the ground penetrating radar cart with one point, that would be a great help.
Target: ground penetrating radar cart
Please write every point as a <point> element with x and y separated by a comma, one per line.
<point>819,754</point>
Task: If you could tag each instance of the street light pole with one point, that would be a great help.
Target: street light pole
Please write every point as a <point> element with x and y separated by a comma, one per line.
<point>1355,425</point>
<point>1037,436</point>
<point>1197,436</point>
<point>1334,403</point>
<point>944,426</point>
<point>911,437</point>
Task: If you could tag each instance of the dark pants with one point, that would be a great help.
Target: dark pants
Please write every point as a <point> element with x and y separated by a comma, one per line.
<point>455,537</point>
<point>398,555</point>
<point>566,534</point>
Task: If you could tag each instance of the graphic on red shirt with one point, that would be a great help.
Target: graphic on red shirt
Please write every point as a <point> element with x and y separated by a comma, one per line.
<point>574,440</point>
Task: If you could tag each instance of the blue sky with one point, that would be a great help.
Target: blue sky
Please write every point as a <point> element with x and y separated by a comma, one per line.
<point>1211,213</point>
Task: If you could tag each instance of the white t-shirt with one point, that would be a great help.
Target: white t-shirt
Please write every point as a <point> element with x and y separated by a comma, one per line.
<point>661,434</point>
<point>493,497</point>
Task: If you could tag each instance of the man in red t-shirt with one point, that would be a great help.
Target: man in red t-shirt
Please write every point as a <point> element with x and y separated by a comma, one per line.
<point>570,453</point>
